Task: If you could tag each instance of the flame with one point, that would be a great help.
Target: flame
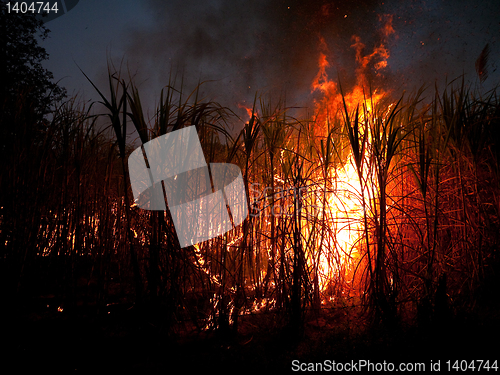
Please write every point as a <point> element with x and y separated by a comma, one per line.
<point>321,81</point>
<point>248,110</point>
<point>337,263</point>
<point>331,101</point>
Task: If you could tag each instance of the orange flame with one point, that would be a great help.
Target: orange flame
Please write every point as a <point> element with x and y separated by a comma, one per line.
<point>331,102</point>
<point>247,109</point>
<point>345,204</point>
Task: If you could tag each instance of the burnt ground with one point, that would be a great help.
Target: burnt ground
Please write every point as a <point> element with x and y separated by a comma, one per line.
<point>126,339</point>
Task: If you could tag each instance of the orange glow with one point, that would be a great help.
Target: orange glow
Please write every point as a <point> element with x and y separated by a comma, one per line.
<point>345,220</point>
<point>247,109</point>
<point>344,213</point>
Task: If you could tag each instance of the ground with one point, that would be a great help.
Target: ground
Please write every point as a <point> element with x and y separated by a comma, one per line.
<point>127,340</point>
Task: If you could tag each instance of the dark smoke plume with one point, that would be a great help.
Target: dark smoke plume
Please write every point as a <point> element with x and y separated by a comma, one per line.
<point>244,47</point>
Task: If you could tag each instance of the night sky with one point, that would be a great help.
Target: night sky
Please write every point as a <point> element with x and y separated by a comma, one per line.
<point>267,46</point>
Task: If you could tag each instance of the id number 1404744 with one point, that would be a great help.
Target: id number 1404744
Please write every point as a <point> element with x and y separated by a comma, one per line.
<point>34,7</point>
<point>472,365</point>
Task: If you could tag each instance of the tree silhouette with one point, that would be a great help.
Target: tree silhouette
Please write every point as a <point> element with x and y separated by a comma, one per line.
<point>25,85</point>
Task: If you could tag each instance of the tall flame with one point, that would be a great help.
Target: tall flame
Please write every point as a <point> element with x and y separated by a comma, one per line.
<point>345,203</point>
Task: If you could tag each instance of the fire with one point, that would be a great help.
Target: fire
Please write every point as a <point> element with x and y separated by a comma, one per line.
<point>248,110</point>
<point>345,203</point>
<point>321,81</point>
<point>332,102</point>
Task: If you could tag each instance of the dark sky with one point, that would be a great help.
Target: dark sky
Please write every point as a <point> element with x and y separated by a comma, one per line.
<point>268,46</point>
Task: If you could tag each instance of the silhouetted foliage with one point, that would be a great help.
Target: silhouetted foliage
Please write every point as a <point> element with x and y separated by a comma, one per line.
<point>23,79</point>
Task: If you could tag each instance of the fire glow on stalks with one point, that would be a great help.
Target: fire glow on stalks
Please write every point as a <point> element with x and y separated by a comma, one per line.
<point>346,191</point>
<point>335,198</point>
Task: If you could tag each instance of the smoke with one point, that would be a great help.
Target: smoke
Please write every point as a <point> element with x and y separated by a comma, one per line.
<point>272,46</point>
<point>242,47</point>
<point>439,41</point>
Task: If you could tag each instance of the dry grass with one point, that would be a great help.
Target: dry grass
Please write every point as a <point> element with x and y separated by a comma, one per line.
<point>429,176</point>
